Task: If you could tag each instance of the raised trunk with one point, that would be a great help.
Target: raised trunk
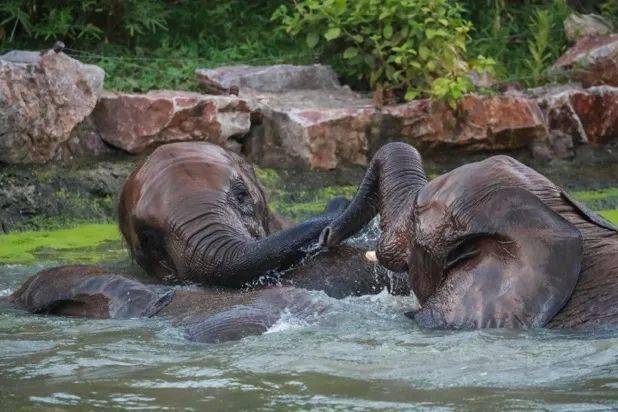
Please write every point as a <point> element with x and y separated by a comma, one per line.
<point>389,188</point>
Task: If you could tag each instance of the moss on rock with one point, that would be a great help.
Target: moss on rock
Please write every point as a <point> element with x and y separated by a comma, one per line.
<point>87,243</point>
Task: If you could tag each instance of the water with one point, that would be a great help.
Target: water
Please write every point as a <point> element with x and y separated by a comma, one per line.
<point>360,354</point>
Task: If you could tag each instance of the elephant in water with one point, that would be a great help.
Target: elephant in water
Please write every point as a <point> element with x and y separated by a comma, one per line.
<point>207,315</point>
<point>195,213</point>
<point>489,244</point>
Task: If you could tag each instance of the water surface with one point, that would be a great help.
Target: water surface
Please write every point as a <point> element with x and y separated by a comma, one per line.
<point>360,354</point>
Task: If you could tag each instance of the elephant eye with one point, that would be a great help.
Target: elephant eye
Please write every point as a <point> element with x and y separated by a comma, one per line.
<point>241,196</point>
<point>464,250</point>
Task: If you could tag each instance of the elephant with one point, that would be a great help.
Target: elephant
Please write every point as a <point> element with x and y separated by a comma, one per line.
<point>194,212</point>
<point>207,315</point>
<point>489,244</point>
<point>202,196</point>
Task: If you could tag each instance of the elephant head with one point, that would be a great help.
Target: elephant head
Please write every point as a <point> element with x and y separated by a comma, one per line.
<point>196,212</point>
<point>480,250</point>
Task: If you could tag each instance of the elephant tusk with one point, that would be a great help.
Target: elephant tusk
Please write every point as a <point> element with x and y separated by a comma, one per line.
<point>370,255</point>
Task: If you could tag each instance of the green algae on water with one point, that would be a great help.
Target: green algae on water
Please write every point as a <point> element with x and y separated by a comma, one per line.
<point>87,243</point>
<point>601,199</point>
<point>611,215</point>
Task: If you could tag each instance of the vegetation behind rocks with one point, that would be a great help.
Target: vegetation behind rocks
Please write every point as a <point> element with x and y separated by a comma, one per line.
<point>156,44</point>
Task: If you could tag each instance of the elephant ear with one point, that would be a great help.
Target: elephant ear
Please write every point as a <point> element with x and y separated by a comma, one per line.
<point>588,214</point>
<point>516,268</point>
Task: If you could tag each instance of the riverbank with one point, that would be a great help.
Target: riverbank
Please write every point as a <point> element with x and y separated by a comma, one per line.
<point>60,195</point>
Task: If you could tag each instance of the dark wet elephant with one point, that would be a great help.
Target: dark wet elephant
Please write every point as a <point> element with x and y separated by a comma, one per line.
<point>196,213</point>
<point>489,244</point>
<point>205,314</point>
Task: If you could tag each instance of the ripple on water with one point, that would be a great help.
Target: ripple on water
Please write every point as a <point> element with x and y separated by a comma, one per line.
<point>360,353</point>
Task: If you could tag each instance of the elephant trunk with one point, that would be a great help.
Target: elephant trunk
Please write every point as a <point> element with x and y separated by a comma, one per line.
<point>224,254</point>
<point>394,176</point>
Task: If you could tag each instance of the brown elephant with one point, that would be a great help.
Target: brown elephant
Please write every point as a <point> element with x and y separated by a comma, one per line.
<point>489,244</point>
<point>205,314</point>
<point>195,212</point>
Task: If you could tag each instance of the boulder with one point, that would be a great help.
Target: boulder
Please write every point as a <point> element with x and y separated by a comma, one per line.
<point>577,26</point>
<point>136,122</point>
<point>478,123</point>
<point>85,142</point>
<point>556,145</point>
<point>315,128</point>
<point>593,61</point>
<point>43,97</point>
<point>279,78</point>
<point>589,115</point>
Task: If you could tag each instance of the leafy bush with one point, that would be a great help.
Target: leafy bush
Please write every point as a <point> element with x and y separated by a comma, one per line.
<point>523,37</point>
<point>409,47</point>
<point>151,44</point>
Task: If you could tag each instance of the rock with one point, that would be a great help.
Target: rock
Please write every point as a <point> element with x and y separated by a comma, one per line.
<point>577,26</point>
<point>557,145</point>
<point>43,96</point>
<point>589,115</point>
<point>593,61</point>
<point>266,79</point>
<point>479,123</point>
<point>315,128</point>
<point>85,142</point>
<point>136,122</point>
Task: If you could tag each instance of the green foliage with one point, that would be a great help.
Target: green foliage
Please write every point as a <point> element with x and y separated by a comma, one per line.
<point>611,215</point>
<point>410,47</point>
<point>152,44</point>
<point>299,203</point>
<point>83,21</point>
<point>524,37</point>
<point>540,27</point>
<point>609,9</point>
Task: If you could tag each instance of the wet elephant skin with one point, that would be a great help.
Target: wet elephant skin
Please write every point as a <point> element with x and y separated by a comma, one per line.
<point>489,244</point>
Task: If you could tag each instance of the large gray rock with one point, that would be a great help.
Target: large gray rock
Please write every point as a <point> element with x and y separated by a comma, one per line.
<point>302,115</point>
<point>578,25</point>
<point>43,96</point>
<point>137,122</point>
<point>266,79</point>
<point>589,115</point>
<point>315,128</point>
<point>593,61</point>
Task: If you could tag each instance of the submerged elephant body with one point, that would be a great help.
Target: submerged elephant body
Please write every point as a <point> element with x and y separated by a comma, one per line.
<point>205,315</point>
<point>489,244</point>
<point>211,314</point>
<point>195,213</point>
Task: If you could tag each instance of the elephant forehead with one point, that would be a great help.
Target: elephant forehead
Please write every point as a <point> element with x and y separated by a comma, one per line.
<point>472,181</point>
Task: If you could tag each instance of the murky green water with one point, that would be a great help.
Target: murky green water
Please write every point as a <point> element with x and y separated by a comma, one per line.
<point>360,354</point>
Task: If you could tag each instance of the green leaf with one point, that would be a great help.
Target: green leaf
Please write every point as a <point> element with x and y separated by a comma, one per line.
<point>340,5</point>
<point>350,52</point>
<point>388,31</point>
<point>312,39</point>
<point>332,33</point>
<point>358,38</point>
<point>411,95</point>
<point>423,52</point>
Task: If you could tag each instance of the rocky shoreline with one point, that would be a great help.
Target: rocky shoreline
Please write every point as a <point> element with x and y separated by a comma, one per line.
<point>66,144</point>
<point>34,197</point>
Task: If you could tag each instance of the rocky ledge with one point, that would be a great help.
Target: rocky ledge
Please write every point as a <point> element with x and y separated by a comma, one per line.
<point>52,107</point>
